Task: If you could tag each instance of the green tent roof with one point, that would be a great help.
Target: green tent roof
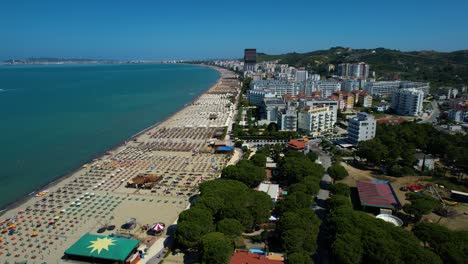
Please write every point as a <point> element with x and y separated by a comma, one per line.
<point>102,247</point>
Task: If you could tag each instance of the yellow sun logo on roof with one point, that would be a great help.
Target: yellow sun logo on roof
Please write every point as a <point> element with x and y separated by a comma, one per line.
<point>100,244</point>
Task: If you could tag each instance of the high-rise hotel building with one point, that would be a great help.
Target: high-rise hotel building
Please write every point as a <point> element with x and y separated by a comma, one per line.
<point>250,60</point>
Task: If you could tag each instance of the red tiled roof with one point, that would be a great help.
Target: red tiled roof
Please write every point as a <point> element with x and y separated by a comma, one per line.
<point>296,144</point>
<point>376,194</point>
<point>243,257</point>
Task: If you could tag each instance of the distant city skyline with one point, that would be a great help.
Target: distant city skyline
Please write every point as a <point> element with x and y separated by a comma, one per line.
<point>150,30</point>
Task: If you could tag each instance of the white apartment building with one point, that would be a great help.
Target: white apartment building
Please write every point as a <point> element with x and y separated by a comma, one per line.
<point>361,128</point>
<point>287,120</point>
<point>281,68</point>
<point>256,97</point>
<point>317,103</point>
<point>386,88</point>
<point>423,86</point>
<point>302,75</point>
<point>316,121</point>
<point>349,85</point>
<point>408,102</point>
<point>326,88</point>
<point>458,115</point>
<point>314,77</point>
<point>257,76</point>
<point>275,86</point>
<point>358,70</point>
<point>270,108</point>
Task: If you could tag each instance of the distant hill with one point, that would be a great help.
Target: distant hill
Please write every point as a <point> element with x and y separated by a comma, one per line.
<point>439,68</point>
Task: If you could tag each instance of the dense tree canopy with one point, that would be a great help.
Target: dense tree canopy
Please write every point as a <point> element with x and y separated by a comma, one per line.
<point>295,201</point>
<point>189,233</point>
<point>372,150</point>
<point>216,248</point>
<point>245,171</point>
<point>360,238</point>
<point>228,206</point>
<point>298,225</point>
<point>299,230</point>
<point>451,246</point>
<point>312,184</point>
<point>230,227</point>
<point>337,172</point>
<point>192,225</point>
<point>295,167</point>
<point>420,205</point>
<point>299,257</point>
<point>259,159</point>
<point>246,84</point>
<point>312,155</point>
<point>236,201</point>
<point>272,127</point>
<point>395,145</point>
<point>340,189</point>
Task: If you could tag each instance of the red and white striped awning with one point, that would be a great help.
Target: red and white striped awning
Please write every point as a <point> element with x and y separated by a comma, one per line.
<point>158,227</point>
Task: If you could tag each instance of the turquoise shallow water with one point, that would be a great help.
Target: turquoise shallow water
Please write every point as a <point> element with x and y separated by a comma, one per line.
<point>55,118</point>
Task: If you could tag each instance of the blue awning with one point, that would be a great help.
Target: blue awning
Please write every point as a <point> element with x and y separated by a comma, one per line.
<point>225,148</point>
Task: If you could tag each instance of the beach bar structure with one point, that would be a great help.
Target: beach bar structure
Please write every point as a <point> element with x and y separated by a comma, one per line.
<point>102,249</point>
<point>377,194</point>
<point>144,181</point>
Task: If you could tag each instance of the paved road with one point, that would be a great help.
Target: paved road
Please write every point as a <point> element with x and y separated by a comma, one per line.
<point>320,206</point>
<point>324,158</point>
<point>158,255</point>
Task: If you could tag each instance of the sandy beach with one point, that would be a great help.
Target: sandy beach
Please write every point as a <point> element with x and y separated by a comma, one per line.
<point>151,178</point>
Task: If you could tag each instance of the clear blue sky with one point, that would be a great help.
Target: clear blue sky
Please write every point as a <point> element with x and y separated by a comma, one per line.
<point>165,29</point>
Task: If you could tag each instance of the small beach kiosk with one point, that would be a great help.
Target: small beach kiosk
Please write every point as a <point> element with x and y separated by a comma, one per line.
<point>103,249</point>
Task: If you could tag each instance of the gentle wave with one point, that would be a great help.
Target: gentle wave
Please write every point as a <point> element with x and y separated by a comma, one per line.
<point>6,90</point>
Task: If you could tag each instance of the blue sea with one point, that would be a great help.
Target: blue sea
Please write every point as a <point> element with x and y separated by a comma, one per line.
<point>54,118</point>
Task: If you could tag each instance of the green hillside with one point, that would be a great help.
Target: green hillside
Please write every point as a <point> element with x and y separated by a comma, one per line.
<point>439,68</point>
